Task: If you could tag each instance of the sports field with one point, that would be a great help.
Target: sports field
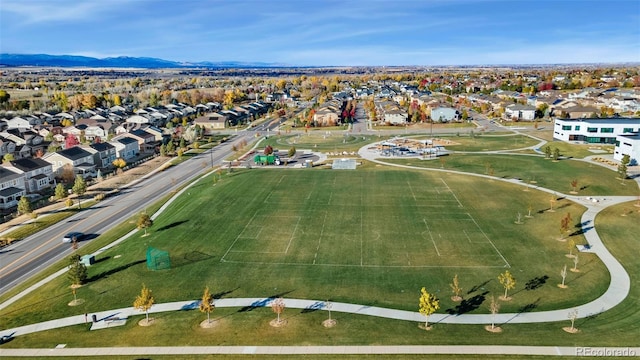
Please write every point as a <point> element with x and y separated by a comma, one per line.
<point>372,220</point>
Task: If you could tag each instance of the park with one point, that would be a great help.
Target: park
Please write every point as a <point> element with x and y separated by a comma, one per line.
<point>374,237</point>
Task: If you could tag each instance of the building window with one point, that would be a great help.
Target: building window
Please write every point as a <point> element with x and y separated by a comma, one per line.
<point>627,130</point>
<point>566,127</point>
<point>592,130</point>
<point>617,143</point>
<point>607,130</point>
<point>577,127</point>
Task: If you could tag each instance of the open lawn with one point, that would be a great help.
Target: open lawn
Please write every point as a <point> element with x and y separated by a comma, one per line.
<point>592,179</point>
<point>371,237</point>
<point>486,142</point>
<point>325,141</point>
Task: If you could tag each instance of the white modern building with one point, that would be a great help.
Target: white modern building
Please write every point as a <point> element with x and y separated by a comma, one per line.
<point>628,145</point>
<point>594,131</point>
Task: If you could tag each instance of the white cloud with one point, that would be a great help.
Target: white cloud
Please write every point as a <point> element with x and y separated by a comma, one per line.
<point>31,12</point>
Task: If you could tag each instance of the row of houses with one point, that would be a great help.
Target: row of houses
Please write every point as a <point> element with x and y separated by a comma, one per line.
<point>238,115</point>
<point>36,175</point>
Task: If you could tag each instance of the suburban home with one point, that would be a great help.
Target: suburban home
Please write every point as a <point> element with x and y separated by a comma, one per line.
<point>396,117</point>
<point>79,159</point>
<point>138,119</point>
<point>146,140</point>
<point>628,144</point>
<point>212,121</point>
<point>444,114</point>
<point>38,174</point>
<point>104,154</point>
<point>18,123</point>
<point>519,112</point>
<point>6,146</point>
<point>126,147</point>
<point>594,131</point>
<point>11,188</point>
<point>157,133</point>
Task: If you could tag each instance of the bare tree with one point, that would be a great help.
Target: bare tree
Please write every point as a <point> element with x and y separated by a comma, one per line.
<point>563,273</point>
<point>494,307</point>
<point>278,307</point>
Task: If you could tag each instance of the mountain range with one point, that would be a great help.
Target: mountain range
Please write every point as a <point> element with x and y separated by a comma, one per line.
<point>46,60</point>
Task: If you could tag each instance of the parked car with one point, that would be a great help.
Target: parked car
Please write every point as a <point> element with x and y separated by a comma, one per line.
<point>74,234</point>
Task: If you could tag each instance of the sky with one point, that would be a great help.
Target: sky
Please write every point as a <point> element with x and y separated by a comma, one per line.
<point>327,32</point>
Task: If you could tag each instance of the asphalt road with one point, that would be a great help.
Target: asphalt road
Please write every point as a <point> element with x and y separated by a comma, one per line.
<point>27,257</point>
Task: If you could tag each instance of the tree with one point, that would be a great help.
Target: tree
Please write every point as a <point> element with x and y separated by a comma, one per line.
<point>556,154</point>
<point>7,158</point>
<point>70,141</point>
<point>547,152</point>
<point>144,301</point>
<point>119,163</point>
<point>429,303</point>
<point>144,222</point>
<point>622,168</point>
<point>494,307</point>
<point>79,187</point>
<point>77,272</point>
<point>268,150</point>
<point>292,152</point>
<point>508,282</point>
<point>4,96</point>
<point>206,304</point>
<point>563,273</point>
<point>574,186</point>
<point>278,307</point>
<point>24,206</point>
<point>573,315</point>
<point>570,245</point>
<point>575,264</point>
<point>455,287</point>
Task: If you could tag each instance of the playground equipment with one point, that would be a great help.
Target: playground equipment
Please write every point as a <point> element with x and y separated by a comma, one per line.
<point>270,159</point>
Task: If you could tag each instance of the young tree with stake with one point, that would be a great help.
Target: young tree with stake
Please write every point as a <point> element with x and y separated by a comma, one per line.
<point>455,287</point>
<point>508,282</point>
<point>144,301</point>
<point>278,307</point>
<point>206,304</point>
<point>429,304</point>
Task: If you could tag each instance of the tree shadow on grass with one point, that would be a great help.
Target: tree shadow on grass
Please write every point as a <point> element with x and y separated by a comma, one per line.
<point>524,309</point>
<point>172,225</point>
<point>107,273</point>
<point>468,305</point>
<point>478,287</point>
<point>263,302</point>
<point>533,284</point>
<point>581,231</point>
<point>313,307</point>
<point>188,258</point>
<point>581,274</point>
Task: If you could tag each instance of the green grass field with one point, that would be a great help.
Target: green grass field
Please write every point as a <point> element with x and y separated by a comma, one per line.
<point>487,142</point>
<point>325,141</point>
<point>592,179</point>
<point>371,237</point>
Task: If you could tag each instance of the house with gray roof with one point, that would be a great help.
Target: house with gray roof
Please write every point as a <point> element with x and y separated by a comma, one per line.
<point>11,188</point>
<point>38,174</point>
<point>79,159</point>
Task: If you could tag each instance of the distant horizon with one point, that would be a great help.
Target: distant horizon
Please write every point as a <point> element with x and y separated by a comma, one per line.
<point>329,33</point>
<point>205,63</point>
